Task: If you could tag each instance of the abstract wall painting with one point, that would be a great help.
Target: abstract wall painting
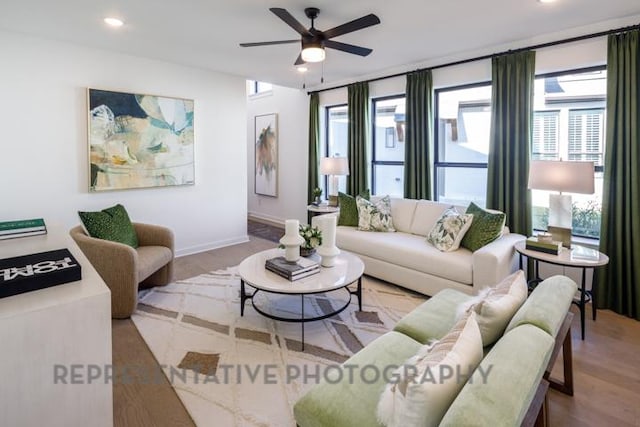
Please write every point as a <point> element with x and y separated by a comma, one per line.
<point>139,141</point>
<point>266,158</point>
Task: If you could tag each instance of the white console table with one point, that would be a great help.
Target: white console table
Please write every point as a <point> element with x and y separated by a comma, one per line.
<point>64,325</point>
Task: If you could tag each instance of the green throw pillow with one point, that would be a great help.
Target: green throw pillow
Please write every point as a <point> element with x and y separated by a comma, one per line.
<point>110,224</point>
<point>349,209</point>
<point>485,227</point>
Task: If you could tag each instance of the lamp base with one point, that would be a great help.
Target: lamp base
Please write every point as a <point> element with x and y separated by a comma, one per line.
<point>333,200</point>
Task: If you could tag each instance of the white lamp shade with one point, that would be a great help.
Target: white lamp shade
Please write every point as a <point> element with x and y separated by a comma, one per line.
<point>569,177</point>
<point>334,166</point>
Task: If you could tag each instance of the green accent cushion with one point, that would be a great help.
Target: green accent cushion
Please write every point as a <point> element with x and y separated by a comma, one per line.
<point>348,398</point>
<point>110,224</point>
<point>349,209</point>
<point>485,227</point>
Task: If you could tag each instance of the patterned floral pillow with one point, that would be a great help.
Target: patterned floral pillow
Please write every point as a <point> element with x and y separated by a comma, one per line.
<point>449,230</point>
<point>374,216</point>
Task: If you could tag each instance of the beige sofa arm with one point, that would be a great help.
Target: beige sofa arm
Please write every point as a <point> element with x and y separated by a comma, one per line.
<point>116,264</point>
<point>154,235</point>
<point>495,261</point>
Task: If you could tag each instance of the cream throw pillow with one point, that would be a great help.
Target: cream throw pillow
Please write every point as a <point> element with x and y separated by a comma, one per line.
<point>424,388</point>
<point>449,229</point>
<point>495,306</point>
<point>374,216</point>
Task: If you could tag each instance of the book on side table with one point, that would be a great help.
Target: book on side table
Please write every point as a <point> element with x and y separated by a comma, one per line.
<point>292,270</point>
<point>551,247</point>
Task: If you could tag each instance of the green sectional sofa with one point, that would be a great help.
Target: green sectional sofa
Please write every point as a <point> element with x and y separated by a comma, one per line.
<point>517,362</point>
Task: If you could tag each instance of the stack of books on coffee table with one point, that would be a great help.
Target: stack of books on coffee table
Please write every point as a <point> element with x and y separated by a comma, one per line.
<point>292,270</point>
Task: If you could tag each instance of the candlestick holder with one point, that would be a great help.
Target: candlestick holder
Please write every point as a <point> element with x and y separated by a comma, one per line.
<point>328,250</point>
<point>292,240</point>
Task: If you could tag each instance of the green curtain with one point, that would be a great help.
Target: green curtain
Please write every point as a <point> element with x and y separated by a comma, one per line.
<point>619,281</point>
<point>513,77</point>
<point>418,135</point>
<point>314,144</point>
<point>358,137</point>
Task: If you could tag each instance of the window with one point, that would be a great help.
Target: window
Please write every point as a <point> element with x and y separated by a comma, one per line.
<point>569,122</point>
<point>255,87</point>
<point>463,122</point>
<point>336,140</point>
<point>387,162</point>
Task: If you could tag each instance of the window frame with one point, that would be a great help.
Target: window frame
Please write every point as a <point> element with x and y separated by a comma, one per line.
<point>437,164</point>
<point>375,162</point>
<point>325,145</point>
<point>594,99</point>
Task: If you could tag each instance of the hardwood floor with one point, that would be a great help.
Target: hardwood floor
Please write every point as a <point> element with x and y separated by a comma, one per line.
<point>606,363</point>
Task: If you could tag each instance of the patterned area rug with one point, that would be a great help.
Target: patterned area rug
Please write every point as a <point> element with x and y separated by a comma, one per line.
<point>230,370</point>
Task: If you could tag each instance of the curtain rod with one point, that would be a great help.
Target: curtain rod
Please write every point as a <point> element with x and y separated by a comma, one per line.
<point>489,56</point>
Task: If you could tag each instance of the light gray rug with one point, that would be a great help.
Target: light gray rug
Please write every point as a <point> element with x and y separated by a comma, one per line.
<point>230,370</point>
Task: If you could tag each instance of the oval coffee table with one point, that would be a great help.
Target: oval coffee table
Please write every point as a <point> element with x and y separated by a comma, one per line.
<point>348,269</point>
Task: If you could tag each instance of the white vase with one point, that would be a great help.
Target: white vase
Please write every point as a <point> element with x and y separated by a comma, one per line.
<point>328,250</point>
<point>292,240</point>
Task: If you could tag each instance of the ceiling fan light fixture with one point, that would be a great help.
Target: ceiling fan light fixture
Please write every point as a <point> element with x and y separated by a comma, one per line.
<point>312,53</point>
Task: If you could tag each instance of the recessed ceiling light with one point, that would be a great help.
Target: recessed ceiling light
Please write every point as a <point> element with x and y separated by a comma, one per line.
<point>302,69</point>
<point>114,22</point>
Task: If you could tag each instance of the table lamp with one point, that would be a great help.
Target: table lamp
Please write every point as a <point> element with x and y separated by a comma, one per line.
<point>570,177</point>
<point>334,167</point>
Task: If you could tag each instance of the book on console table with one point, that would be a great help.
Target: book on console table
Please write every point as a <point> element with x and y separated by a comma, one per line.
<point>552,247</point>
<point>22,228</point>
<point>292,270</point>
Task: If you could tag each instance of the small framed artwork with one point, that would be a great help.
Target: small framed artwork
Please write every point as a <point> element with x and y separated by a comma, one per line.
<point>390,138</point>
<point>266,155</point>
<point>139,141</point>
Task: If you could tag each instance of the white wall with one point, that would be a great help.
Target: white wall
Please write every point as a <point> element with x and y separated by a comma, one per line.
<point>44,156</point>
<point>292,107</point>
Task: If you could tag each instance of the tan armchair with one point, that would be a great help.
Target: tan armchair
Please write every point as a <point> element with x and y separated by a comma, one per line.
<point>123,268</point>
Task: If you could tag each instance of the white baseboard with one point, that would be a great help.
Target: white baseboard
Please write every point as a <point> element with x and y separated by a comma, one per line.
<point>266,219</point>
<point>210,246</point>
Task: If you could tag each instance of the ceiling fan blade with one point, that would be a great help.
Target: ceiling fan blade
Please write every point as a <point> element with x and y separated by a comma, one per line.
<point>355,25</point>
<point>290,20</point>
<point>349,48</point>
<point>299,60</point>
<point>269,43</point>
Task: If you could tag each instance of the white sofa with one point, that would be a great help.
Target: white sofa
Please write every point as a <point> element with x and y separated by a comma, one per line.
<point>406,259</point>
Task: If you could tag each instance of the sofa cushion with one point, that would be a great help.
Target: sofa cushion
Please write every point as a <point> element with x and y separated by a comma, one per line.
<point>501,389</point>
<point>374,216</point>
<point>402,211</point>
<point>496,305</point>
<point>351,403</point>
<point>449,229</point>
<point>486,227</point>
<point>427,213</point>
<point>423,390</point>
<point>110,224</point>
<point>152,259</point>
<point>547,305</point>
<point>349,209</point>
<point>410,251</point>
<point>433,318</point>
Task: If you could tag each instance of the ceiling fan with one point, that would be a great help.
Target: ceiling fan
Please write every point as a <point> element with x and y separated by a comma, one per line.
<point>315,41</point>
